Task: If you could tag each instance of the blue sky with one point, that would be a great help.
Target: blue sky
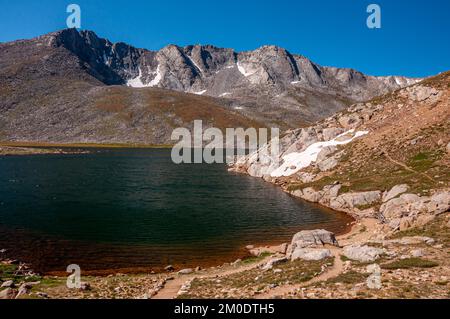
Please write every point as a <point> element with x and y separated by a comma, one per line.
<point>414,39</point>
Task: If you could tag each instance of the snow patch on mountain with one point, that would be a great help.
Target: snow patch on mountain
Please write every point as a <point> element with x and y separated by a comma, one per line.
<point>157,78</point>
<point>194,63</point>
<point>244,71</point>
<point>294,162</point>
<point>137,81</point>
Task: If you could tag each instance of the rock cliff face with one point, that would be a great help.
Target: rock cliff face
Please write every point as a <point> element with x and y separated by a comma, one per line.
<point>215,71</point>
<point>284,80</point>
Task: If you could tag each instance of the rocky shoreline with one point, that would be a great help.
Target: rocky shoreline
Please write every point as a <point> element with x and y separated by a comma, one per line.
<point>393,177</point>
<point>315,264</point>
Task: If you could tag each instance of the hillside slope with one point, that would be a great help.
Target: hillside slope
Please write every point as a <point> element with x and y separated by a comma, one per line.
<point>385,162</point>
<point>48,94</point>
<point>347,161</point>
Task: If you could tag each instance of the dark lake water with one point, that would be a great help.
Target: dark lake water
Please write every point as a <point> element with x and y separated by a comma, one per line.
<point>133,210</point>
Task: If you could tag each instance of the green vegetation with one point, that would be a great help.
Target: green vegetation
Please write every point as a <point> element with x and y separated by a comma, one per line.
<point>7,272</point>
<point>10,272</point>
<point>410,263</point>
<point>50,282</point>
<point>255,259</point>
<point>256,280</point>
<point>350,277</point>
<point>423,161</point>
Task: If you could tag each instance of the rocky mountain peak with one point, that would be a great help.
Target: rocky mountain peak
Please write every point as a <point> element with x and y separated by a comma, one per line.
<point>269,84</point>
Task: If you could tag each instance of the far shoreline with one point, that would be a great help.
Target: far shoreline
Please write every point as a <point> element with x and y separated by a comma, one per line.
<point>26,144</point>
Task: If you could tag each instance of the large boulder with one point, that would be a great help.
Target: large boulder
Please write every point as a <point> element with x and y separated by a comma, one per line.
<point>362,253</point>
<point>331,190</point>
<point>313,238</point>
<point>439,203</point>
<point>331,132</point>
<point>325,152</point>
<point>328,163</point>
<point>310,254</point>
<point>352,200</point>
<point>350,121</point>
<point>311,195</point>
<point>394,192</point>
<point>421,93</point>
<point>7,284</point>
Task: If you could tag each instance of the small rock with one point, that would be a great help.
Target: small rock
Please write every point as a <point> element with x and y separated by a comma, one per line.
<point>417,253</point>
<point>237,261</point>
<point>23,290</point>
<point>8,293</point>
<point>274,261</point>
<point>42,295</point>
<point>347,265</point>
<point>186,271</point>
<point>85,286</point>
<point>8,284</point>
<point>169,268</point>
<point>277,271</point>
<point>282,248</point>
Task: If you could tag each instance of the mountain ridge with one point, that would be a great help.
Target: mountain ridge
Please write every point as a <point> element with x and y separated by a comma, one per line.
<point>203,60</point>
<point>71,86</point>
